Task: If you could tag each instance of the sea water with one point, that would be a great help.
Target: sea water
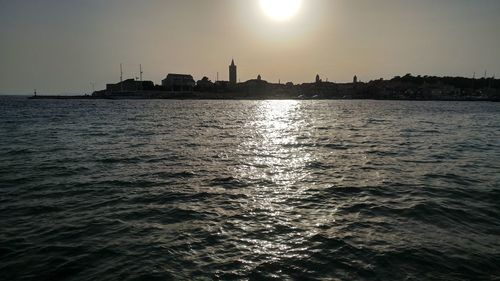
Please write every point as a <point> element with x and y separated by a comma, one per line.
<point>249,190</point>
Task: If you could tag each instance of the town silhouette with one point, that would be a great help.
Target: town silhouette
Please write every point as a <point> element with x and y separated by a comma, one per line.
<point>406,87</point>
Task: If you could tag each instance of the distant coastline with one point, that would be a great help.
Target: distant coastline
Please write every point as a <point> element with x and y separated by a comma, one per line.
<point>406,87</point>
<point>146,96</point>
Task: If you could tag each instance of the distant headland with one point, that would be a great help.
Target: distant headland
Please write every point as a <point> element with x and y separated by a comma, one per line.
<point>407,87</point>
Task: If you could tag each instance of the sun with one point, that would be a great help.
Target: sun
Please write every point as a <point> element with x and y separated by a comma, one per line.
<point>280,10</point>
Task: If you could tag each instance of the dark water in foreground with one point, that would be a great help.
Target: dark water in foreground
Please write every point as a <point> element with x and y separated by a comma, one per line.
<point>249,190</point>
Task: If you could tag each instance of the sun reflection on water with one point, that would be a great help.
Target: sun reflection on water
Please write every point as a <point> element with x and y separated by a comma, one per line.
<point>270,152</point>
<point>275,164</point>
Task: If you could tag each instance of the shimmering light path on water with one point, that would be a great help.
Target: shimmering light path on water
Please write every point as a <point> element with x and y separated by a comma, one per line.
<point>249,190</point>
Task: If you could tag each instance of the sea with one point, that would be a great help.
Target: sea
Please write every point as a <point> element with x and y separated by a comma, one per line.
<point>249,190</point>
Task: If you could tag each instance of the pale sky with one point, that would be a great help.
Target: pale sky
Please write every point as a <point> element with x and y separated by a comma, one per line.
<point>61,46</point>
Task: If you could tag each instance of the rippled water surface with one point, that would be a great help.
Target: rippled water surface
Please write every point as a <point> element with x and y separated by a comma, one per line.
<point>249,190</point>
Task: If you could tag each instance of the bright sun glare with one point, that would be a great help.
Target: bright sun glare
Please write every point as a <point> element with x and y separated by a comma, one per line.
<point>280,10</point>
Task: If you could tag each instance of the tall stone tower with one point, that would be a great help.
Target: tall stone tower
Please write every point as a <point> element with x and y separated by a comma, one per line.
<point>233,76</point>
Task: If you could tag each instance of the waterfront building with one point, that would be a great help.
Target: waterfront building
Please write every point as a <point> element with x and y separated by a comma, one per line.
<point>233,74</point>
<point>129,85</point>
<point>204,84</point>
<point>178,83</point>
<point>355,79</point>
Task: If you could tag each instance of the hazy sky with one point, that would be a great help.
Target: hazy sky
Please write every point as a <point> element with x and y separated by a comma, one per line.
<point>61,46</point>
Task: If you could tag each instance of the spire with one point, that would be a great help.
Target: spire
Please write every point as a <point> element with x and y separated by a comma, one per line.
<point>233,76</point>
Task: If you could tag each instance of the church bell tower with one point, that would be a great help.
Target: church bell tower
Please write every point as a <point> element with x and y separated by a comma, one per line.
<point>233,73</point>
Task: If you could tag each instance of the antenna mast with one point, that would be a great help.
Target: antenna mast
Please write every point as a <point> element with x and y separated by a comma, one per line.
<point>121,77</point>
<point>140,75</point>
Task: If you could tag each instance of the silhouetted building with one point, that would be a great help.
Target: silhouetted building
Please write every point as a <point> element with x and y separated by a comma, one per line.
<point>233,74</point>
<point>204,84</point>
<point>223,86</point>
<point>178,83</point>
<point>129,85</point>
<point>355,79</point>
<point>255,85</point>
<point>318,80</point>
